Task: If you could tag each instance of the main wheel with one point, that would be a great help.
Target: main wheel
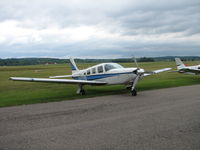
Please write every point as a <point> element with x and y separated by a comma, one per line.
<point>134,92</point>
<point>82,92</point>
<point>128,87</point>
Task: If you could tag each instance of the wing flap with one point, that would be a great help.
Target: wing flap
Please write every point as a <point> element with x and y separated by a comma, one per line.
<point>67,81</point>
<point>62,76</point>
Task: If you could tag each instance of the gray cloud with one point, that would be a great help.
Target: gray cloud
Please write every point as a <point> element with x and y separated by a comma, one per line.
<point>147,27</point>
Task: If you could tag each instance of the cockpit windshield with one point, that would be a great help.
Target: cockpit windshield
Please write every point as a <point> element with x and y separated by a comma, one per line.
<point>112,66</point>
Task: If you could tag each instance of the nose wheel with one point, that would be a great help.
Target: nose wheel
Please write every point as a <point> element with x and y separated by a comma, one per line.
<point>134,92</point>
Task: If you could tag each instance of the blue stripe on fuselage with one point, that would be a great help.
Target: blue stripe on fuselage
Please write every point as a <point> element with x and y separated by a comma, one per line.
<point>100,76</point>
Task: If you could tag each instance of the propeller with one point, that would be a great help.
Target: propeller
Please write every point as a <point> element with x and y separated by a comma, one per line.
<point>139,70</point>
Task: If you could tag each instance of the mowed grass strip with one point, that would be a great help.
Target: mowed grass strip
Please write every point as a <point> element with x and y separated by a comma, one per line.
<point>18,93</point>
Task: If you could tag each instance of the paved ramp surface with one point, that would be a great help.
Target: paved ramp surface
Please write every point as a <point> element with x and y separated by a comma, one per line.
<point>154,120</point>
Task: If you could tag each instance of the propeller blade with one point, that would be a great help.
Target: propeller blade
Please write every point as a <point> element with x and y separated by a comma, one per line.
<point>135,60</point>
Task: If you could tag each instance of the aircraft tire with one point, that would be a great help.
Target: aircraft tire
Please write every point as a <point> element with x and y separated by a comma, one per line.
<point>82,92</point>
<point>134,92</point>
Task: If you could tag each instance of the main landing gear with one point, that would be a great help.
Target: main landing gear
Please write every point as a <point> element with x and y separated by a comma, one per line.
<point>80,90</point>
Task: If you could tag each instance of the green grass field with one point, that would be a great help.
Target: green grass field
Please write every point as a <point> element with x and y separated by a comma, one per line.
<point>18,93</point>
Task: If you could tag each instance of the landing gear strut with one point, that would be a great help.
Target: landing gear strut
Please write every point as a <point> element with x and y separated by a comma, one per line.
<point>133,90</point>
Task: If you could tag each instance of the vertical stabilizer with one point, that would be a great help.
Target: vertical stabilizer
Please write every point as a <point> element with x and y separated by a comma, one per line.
<point>179,63</point>
<point>73,65</point>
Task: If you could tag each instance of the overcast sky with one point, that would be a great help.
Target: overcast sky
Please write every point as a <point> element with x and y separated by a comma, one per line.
<point>99,28</point>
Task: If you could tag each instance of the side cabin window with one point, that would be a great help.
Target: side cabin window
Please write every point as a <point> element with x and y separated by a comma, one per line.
<point>88,72</point>
<point>100,69</point>
<point>109,67</point>
<point>198,67</point>
<point>112,66</point>
<point>93,70</point>
<point>84,73</point>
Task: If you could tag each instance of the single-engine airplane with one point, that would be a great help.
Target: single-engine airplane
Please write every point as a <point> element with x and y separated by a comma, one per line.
<point>182,68</point>
<point>101,74</point>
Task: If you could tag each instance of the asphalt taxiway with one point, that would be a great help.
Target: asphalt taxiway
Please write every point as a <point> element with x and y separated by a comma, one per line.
<point>158,119</point>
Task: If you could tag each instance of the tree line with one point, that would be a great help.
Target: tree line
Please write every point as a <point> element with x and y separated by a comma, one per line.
<point>37,61</point>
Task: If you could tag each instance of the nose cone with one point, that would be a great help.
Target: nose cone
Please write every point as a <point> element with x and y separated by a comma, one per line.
<point>137,70</point>
<point>141,70</point>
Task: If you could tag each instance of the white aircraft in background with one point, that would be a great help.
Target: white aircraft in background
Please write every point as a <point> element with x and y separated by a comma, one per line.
<point>181,68</point>
<point>101,74</point>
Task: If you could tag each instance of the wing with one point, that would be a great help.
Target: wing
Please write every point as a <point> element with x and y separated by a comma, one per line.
<point>156,71</point>
<point>66,81</point>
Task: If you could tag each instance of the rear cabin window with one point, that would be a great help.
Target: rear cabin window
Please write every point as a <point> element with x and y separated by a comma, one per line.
<point>100,69</point>
<point>88,72</point>
<point>93,70</point>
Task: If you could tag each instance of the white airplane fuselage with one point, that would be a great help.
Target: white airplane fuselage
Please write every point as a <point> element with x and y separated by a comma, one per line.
<point>113,76</point>
<point>189,69</point>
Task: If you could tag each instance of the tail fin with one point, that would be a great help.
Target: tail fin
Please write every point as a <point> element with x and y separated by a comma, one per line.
<point>179,63</point>
<point>73,65</point>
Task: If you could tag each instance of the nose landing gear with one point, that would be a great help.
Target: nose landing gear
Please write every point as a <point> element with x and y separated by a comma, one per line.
<point>134,92</point>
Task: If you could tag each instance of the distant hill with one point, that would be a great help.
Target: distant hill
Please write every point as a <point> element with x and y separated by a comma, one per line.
<point>36,61</point>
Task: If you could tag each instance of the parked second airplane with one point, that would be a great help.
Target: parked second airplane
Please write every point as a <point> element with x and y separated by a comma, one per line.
<point>182,68</point>
<point>101,74</point>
